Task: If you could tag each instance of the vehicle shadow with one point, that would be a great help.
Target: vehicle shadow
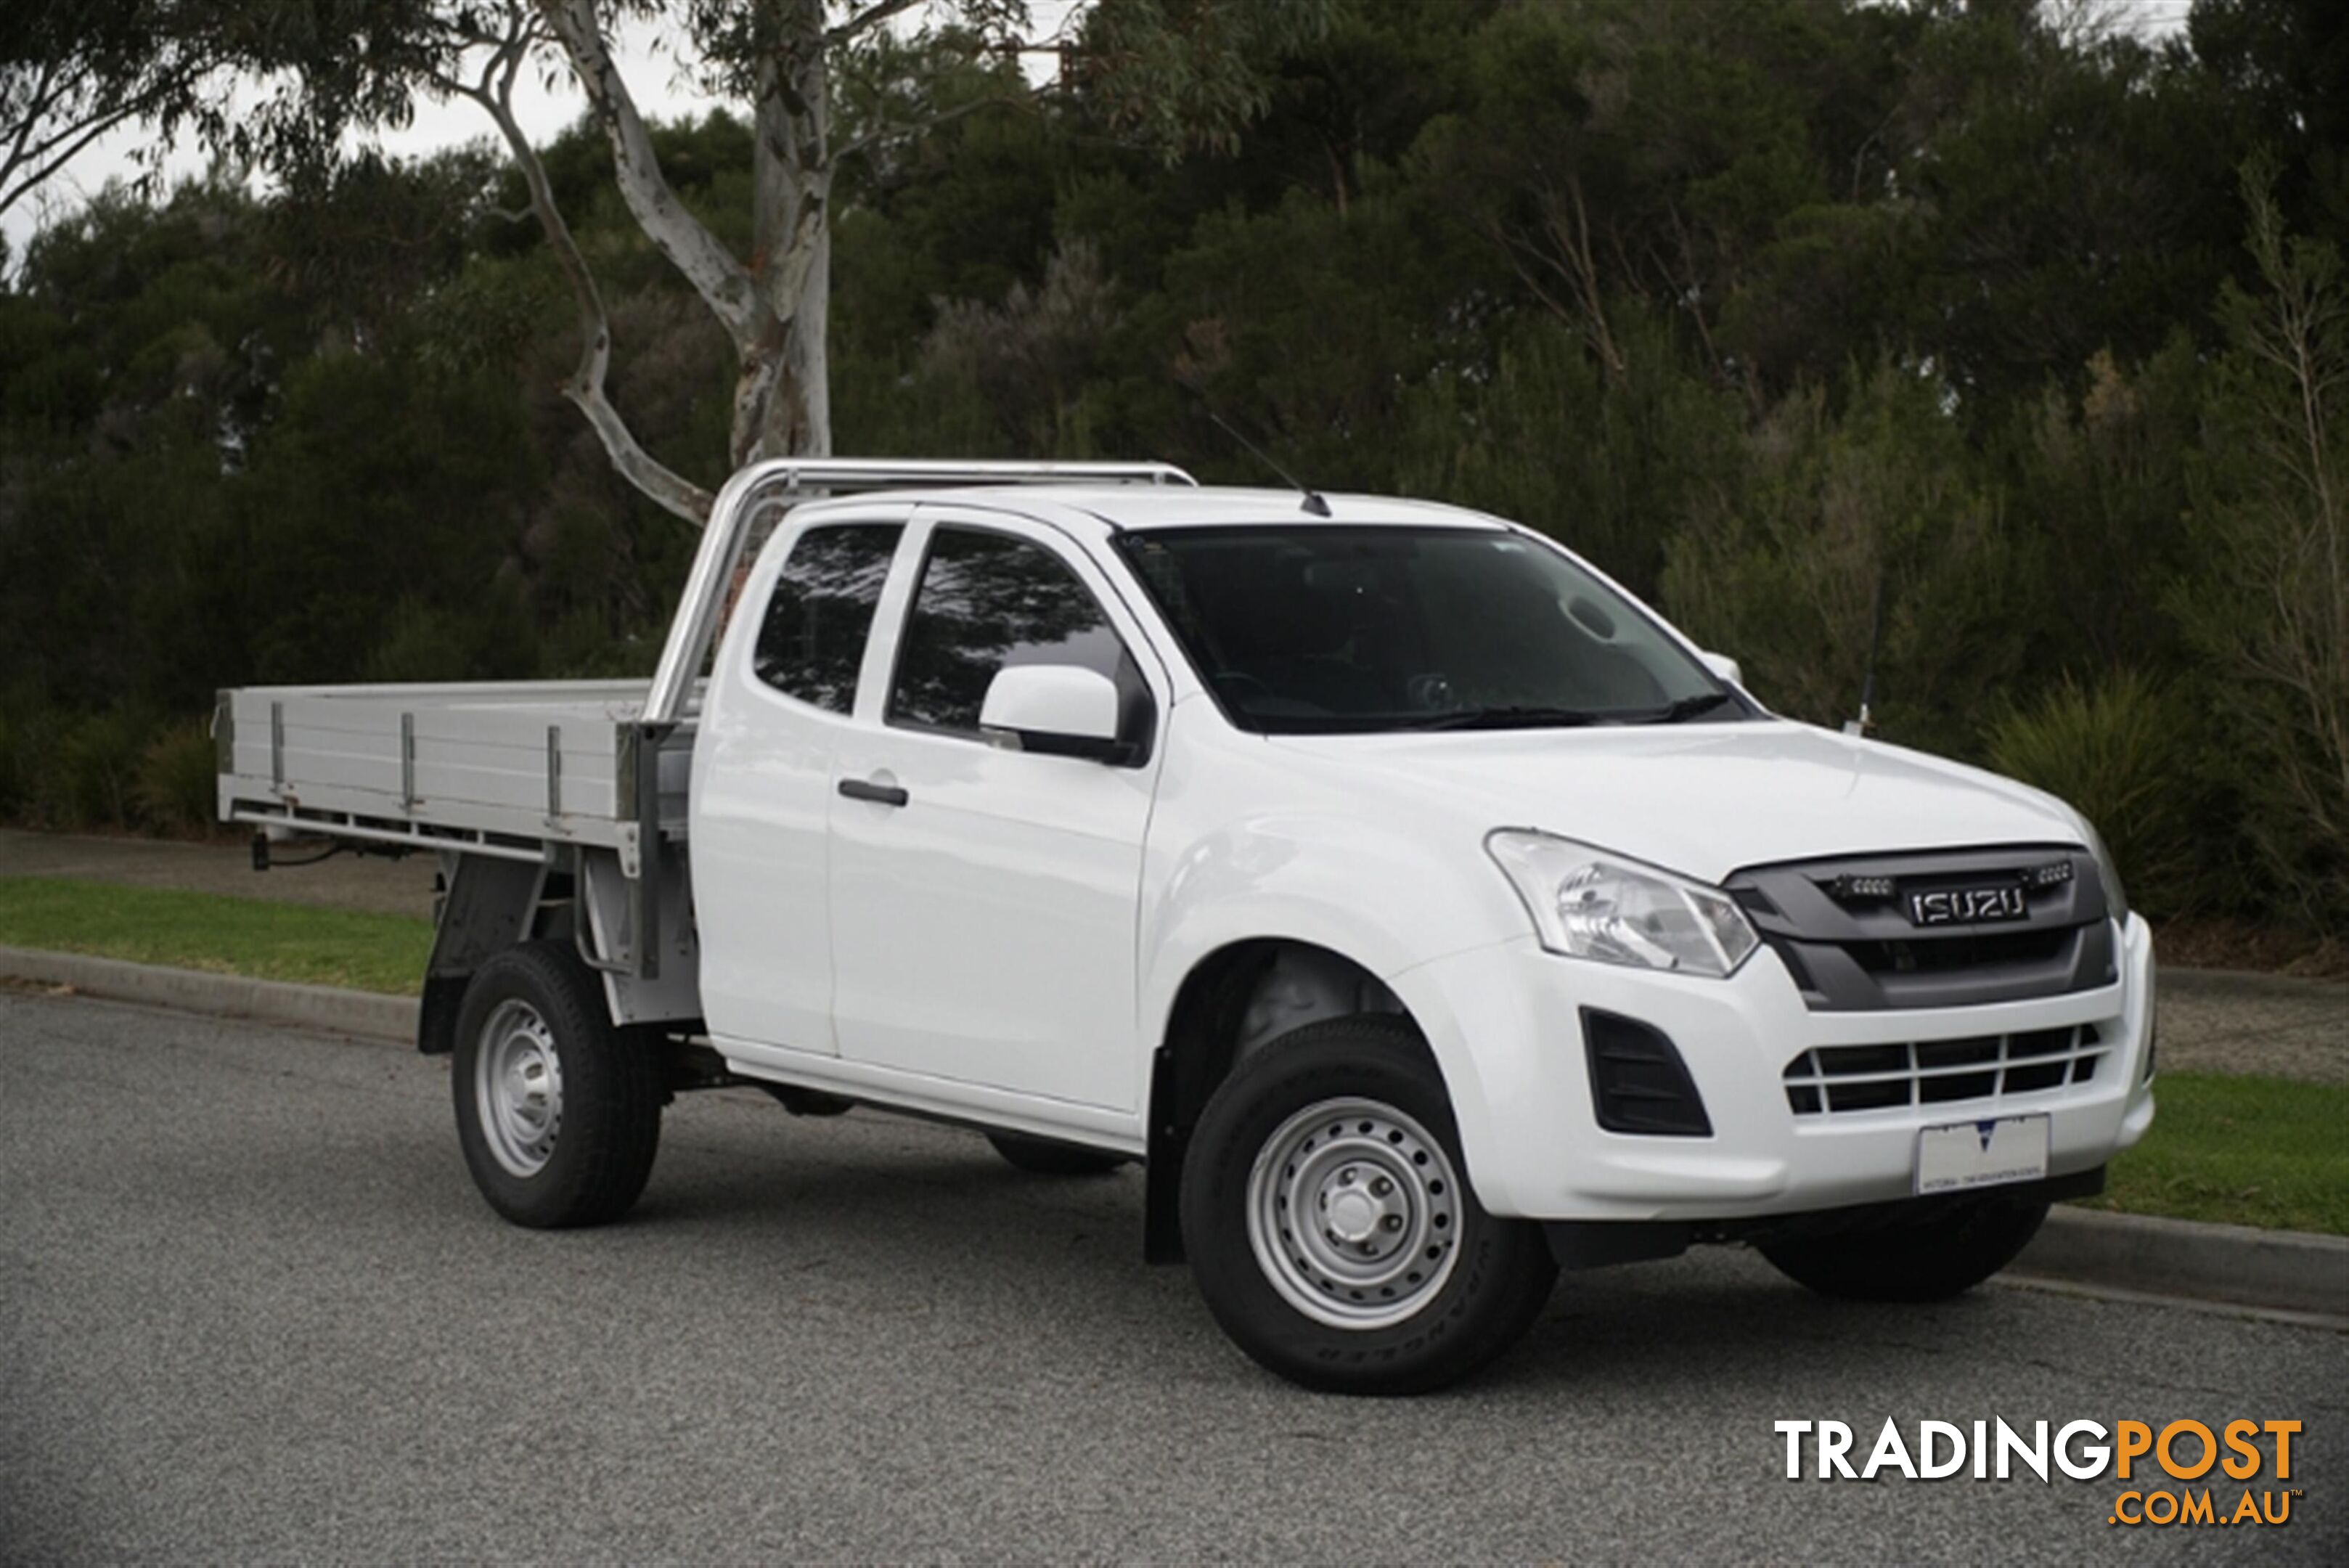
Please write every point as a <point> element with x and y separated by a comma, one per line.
<point>875,1197</point>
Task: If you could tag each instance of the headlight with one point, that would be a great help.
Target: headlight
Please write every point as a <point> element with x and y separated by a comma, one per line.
<point>1589,903</point>
<point>2115,895</point>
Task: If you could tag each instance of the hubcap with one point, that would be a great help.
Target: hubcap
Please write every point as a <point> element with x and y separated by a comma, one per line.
<point>1353,1213</point>
<point>518,1087</point>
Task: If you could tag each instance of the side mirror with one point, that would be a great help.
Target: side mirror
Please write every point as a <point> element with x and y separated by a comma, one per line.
<point>1058,710</point>
<point>1720,664</point>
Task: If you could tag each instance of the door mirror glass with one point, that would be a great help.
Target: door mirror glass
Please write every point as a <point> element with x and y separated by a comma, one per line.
<point>1720,664</point>
<point>1059,710</point>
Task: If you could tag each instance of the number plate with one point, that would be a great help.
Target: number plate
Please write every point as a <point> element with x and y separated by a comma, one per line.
<point>1982,1154</point>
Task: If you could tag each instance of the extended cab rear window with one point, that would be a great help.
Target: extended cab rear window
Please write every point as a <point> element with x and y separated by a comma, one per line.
<point>811,638</point>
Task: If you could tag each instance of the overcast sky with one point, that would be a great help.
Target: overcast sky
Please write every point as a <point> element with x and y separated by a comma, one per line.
<point>651,75</point>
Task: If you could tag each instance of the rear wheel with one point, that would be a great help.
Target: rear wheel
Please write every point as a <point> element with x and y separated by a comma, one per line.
<point>1330,1226</point>
<point>557,1111</point>
<point>1926,1260</point>
<point>1041,1156</point>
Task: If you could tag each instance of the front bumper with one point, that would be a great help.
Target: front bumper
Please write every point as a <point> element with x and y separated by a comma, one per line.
<point>1504,1021</point>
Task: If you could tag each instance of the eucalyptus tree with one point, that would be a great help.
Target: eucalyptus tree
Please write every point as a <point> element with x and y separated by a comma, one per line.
<point>822,81</point>
<point>73,70</point>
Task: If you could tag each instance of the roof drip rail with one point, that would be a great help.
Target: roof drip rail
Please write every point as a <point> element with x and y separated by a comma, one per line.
<point>785,480</point>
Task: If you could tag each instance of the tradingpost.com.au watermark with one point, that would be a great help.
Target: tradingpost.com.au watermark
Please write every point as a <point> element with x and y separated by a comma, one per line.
<point>2181,1472</point>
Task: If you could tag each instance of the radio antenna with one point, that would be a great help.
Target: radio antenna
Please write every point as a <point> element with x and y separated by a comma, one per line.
<point>1313,500</point>
<point>1866,720</point>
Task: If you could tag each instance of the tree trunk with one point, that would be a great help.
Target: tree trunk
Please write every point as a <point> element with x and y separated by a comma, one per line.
<point>774,309</point>
<point>782,397</point>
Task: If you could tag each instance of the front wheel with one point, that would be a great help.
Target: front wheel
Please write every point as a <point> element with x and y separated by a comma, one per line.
<point>557,1111</point>
<point>1927,1259</point>
<point>1329,1226</point>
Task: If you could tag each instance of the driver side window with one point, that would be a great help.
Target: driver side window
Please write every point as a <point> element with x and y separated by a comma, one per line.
<point>987,601</point>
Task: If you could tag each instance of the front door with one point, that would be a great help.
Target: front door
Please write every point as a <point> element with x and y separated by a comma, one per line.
<point>984,900</point>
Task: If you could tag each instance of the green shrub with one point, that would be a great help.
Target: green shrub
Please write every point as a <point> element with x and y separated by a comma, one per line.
<point>1860,534</point>
<point>176,788</point>
<point>488,641</point>
<point>91,778</point>
<point>2121,754</point>
<point>2267,600</point>
<point>112,769</point>
<point>29,735</point>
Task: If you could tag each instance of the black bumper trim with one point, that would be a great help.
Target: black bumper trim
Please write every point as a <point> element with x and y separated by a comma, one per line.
<point>1597,1243</point>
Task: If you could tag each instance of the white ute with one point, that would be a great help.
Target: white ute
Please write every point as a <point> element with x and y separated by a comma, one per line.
<point>1422,909</point>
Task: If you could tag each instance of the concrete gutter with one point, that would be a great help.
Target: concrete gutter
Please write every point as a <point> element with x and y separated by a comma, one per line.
<point>2278,1274</point>
<point>326,1007</point>
<point>2286,1272</point>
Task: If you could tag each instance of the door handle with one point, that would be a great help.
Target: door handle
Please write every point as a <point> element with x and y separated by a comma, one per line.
<point>878,794</point>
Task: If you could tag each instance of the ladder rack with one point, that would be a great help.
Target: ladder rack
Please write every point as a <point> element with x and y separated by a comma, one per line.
<point>784,480</point>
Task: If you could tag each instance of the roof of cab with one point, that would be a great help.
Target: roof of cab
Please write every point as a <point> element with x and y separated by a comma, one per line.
<point>1128,507</point>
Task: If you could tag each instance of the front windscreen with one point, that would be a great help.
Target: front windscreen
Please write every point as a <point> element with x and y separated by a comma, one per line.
<point>1330,629</point>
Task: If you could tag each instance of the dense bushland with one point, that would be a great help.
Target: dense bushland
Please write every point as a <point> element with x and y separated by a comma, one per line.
<point>2008,351</point>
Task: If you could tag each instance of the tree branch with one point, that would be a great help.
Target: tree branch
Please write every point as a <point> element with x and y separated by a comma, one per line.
<point>899,129</point>
<point>865,20</point>
<point>723,283</point>
<point>10,194</point>
<point>50,153</point>
<point>585,388</point>
<point>36,104</point>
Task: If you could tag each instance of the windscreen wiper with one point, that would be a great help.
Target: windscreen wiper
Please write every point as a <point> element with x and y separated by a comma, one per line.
<point>1686,708</point>
<point>1509,716</point>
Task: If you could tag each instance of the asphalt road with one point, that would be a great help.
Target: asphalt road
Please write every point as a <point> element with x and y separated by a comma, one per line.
<point>250,1308</point>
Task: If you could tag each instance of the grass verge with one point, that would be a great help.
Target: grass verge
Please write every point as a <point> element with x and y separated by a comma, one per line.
<point>2241,1151</point>
<point>208,931</point>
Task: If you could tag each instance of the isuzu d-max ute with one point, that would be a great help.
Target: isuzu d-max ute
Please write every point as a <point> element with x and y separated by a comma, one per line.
<point>1422,910</point>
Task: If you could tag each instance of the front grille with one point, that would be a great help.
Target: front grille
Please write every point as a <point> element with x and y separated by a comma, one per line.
<point>1853,933</point>
<point>1933,955</point>
<point>1829,1079</point>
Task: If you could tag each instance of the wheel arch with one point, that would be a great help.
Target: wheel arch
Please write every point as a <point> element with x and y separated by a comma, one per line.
<point>486,906</point>
<point>1236,999</point>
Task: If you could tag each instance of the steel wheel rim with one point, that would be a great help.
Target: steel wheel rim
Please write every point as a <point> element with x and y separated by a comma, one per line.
<point>518,1088</point>
<point>1384,1206</point>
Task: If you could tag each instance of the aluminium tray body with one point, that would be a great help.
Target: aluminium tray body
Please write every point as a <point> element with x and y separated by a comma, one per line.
<point>514,769</point>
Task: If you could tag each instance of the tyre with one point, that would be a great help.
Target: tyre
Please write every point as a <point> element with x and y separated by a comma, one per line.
<point>557,1111</point>
<point>1041,1156</point>
<point>1926,1260</point>
<point>1400,1283</point>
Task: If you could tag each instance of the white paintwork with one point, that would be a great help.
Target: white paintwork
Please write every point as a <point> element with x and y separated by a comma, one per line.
<point>763,781</point>
<point>1728,668</point>
<point>1005,884</point>
<point>1008,945</point>
<point>1051,699</point>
